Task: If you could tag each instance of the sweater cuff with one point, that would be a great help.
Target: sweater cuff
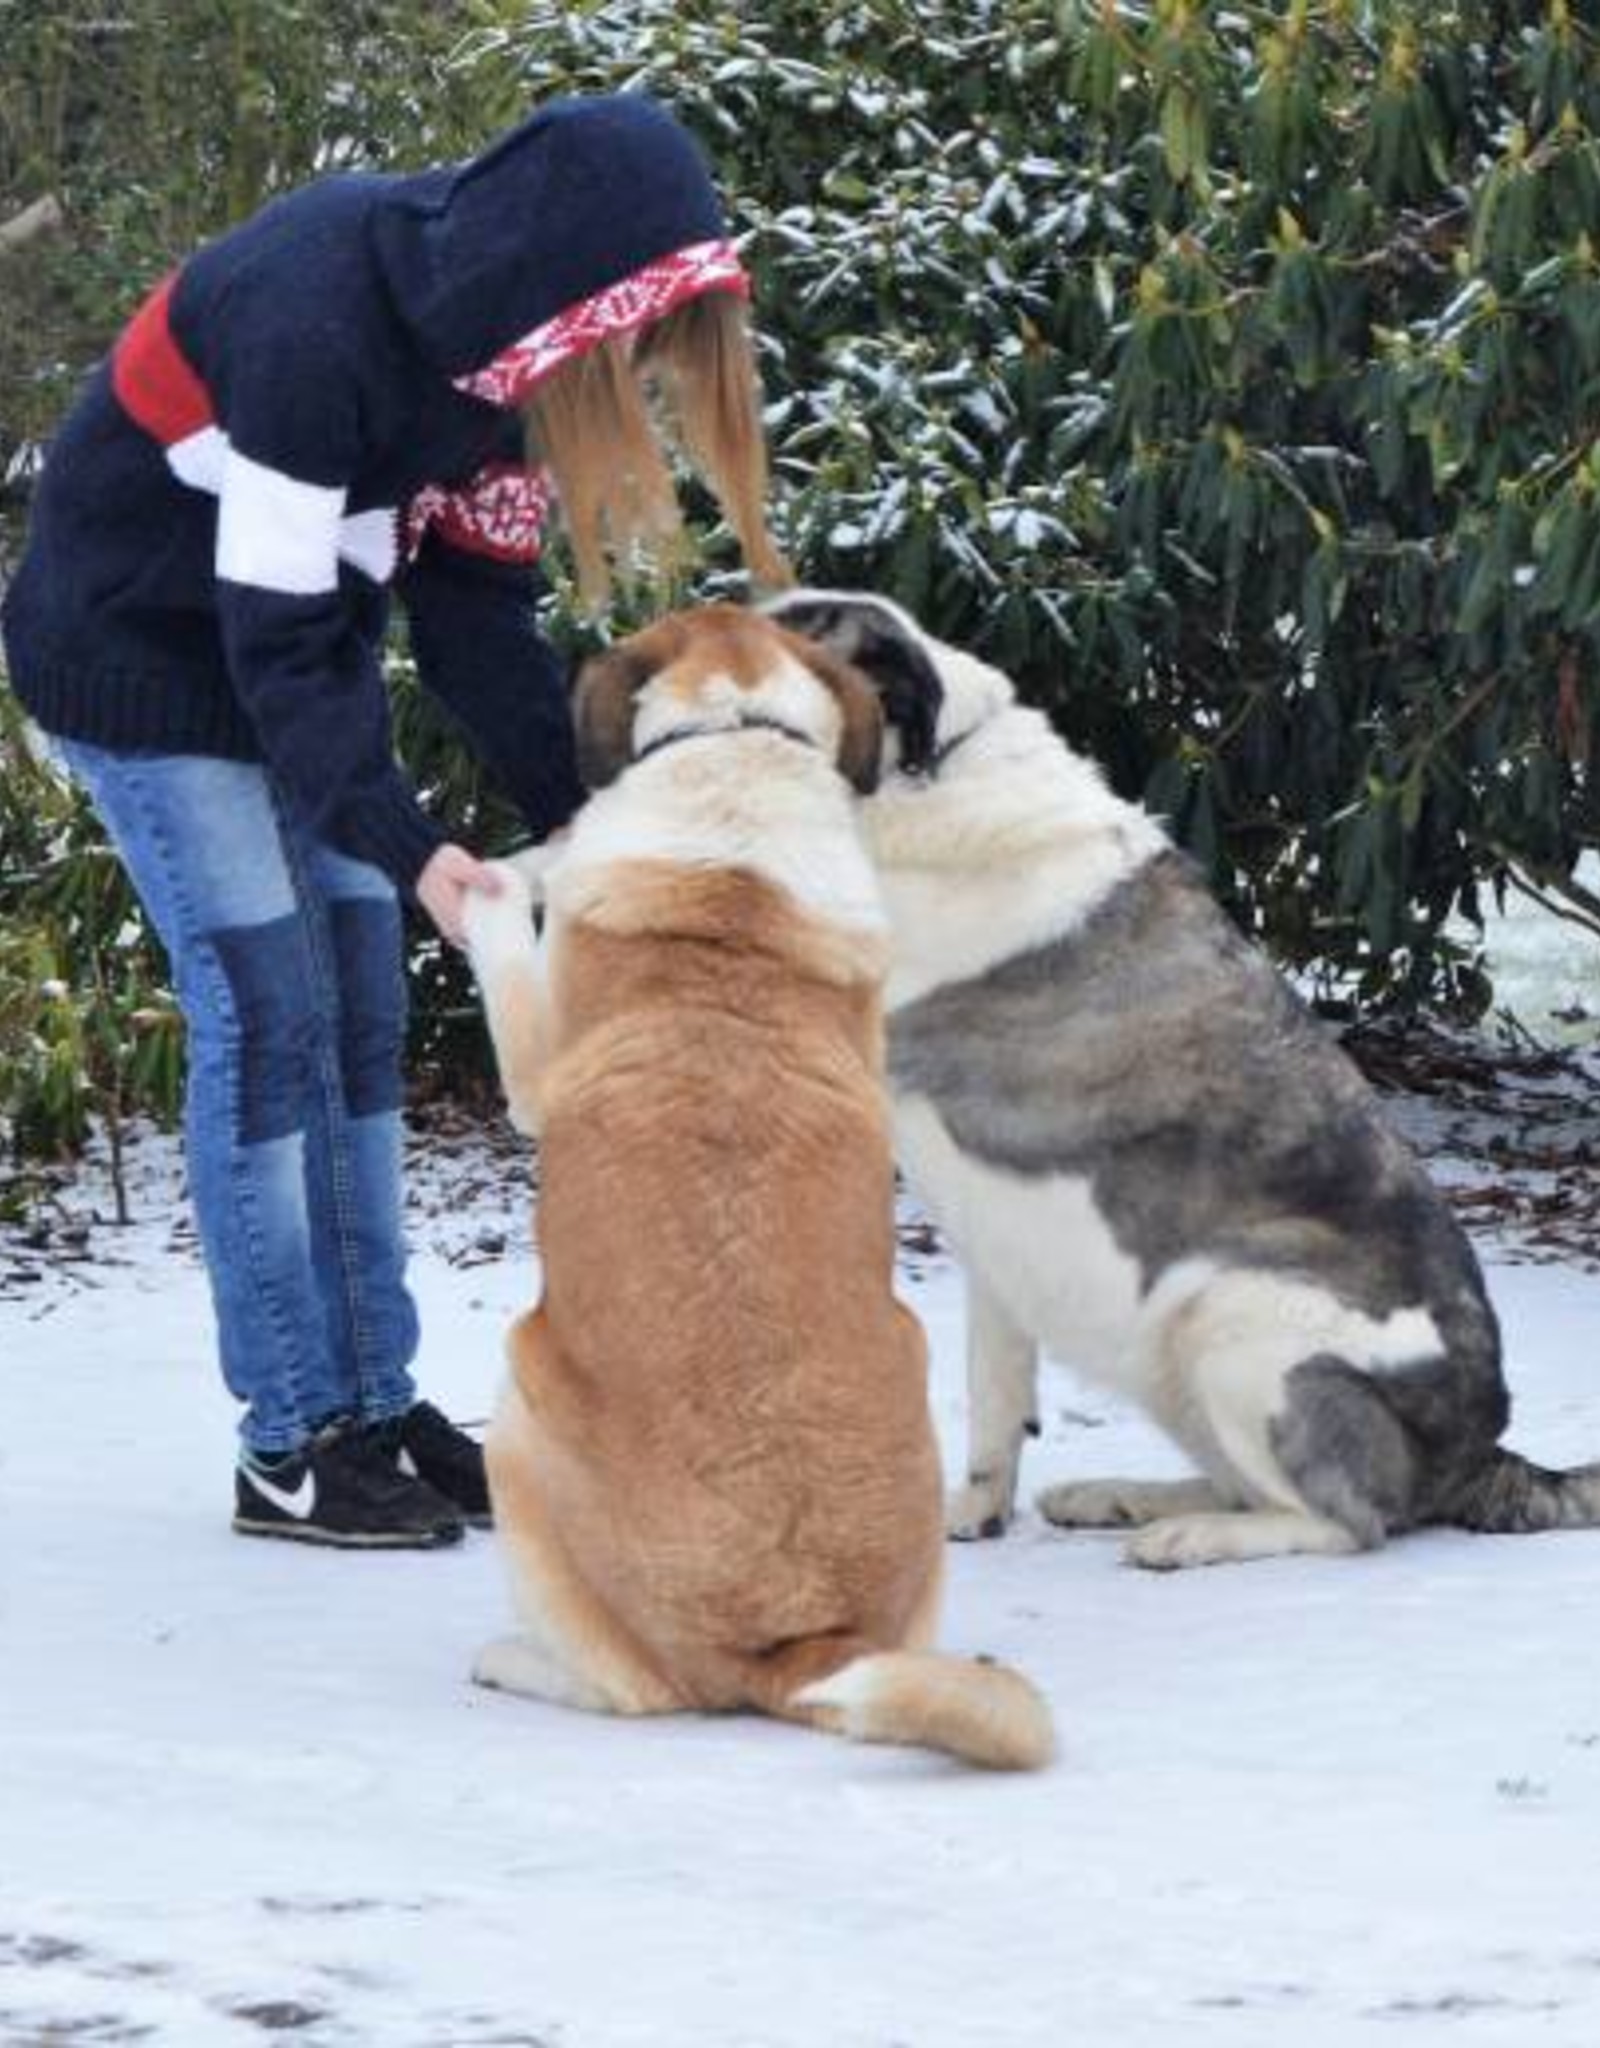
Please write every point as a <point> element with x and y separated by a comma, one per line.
<point>554,800</point>
<point>391,829</point>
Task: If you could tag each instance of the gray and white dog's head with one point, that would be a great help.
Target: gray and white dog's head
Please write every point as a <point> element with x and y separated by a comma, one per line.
<point>934,695</point>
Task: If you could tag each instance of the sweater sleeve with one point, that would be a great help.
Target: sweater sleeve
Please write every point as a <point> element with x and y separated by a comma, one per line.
<point>479,650</point>
<point>303,651</point>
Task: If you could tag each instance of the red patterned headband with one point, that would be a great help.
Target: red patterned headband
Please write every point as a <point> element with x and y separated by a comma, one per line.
<point>619,309</point>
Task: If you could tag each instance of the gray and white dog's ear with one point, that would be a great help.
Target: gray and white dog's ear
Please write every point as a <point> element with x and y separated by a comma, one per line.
<point>876,638</point>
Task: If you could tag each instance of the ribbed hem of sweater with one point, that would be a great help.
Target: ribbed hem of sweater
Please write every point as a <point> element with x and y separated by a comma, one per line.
<point>130,712</point>
<point>176,712</point>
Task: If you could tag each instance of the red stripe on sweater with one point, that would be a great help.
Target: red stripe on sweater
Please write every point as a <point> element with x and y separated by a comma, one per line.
<point>151,377</point>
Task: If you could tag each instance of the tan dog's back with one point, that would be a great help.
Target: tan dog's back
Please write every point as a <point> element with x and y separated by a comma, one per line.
<point>719,1348</point>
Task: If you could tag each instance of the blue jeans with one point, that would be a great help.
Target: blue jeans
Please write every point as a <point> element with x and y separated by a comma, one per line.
<point>288,966</point>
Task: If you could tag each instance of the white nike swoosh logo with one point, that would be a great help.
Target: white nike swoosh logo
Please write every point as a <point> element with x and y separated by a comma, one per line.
<point>298,1504</point>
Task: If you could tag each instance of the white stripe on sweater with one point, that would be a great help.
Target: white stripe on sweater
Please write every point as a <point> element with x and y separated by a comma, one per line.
<point>197,460</point>
<point>276,533</point>
<point>367,540</point>
<point>370,541</point>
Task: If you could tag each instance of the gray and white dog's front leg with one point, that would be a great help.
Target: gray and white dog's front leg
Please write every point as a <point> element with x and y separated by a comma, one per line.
<point>1002,1377</point>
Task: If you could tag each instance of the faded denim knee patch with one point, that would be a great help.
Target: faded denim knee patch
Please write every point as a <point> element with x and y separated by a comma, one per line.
<point>366,946</point>
<point>269,978</point>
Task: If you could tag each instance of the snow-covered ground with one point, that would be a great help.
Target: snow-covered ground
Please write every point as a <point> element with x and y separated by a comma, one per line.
<point>1546,970</point>
<point>245,1789</point>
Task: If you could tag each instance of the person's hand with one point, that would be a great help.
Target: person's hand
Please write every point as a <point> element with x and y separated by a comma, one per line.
<point>443,884</point>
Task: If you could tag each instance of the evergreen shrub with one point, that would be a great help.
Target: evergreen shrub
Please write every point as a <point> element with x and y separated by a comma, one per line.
<point>1228,373</point>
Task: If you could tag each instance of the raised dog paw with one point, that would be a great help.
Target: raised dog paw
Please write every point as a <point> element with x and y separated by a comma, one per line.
<point>976,1511</point>
<point>500,924</point>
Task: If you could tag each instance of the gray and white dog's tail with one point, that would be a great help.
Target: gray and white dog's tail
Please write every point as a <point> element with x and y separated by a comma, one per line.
<point>875,636</point>
<point>1453,1415</point>
<point>1511,1496</point>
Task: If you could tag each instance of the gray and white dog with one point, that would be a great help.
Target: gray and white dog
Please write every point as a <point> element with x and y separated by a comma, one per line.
<point>1153,1163</point>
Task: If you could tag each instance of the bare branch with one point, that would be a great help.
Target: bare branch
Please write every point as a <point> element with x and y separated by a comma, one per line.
<point>1580,906</point>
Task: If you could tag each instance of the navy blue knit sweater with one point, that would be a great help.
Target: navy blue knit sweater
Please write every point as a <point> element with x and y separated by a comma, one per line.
<point>320,404</point>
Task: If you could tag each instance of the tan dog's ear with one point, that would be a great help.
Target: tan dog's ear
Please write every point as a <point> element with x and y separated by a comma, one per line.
<point>602,712</point>
<point>602,707</point>
<point>861,737</point>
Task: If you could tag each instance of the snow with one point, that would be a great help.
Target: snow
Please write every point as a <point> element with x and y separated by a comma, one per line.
<point>245,1788</point>
<point>1546,971</point>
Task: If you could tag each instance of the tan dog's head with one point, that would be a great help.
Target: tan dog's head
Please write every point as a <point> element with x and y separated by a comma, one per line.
<point>716,670</point>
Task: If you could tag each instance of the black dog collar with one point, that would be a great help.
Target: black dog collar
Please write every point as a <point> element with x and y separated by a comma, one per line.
<point>753,721</point>
<point>929,769</point>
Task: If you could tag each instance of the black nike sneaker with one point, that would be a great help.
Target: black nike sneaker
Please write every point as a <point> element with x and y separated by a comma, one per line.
<point>423,1444</point>
<point>342,1489</point>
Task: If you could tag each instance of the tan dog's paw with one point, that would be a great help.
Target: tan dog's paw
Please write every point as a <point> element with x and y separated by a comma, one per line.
<point>982,1508</point>
<point>519,1664</point>
<point>498,926</point>
<point>498,1663</point>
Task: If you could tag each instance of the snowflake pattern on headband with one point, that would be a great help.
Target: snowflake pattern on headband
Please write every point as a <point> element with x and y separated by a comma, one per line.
<point>500,513</point>
<point>619,309</point>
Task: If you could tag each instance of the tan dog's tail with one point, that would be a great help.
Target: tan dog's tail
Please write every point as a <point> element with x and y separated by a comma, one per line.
<point>983,1713</point>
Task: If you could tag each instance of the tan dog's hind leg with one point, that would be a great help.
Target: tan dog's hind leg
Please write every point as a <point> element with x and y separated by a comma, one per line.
<point>922,1630</point>
<point>1002,1374</point>
<point>510,970</point>
<point>570,1650</point>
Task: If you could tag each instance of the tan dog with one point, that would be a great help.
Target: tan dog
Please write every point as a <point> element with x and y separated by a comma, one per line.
<point>713,1469</point>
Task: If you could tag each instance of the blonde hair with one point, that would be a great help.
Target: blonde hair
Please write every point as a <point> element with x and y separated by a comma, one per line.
<point>590,423</point>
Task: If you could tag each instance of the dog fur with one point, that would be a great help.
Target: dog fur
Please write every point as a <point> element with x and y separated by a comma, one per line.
<point>1155,1165</point>
<point>713,1470</point>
